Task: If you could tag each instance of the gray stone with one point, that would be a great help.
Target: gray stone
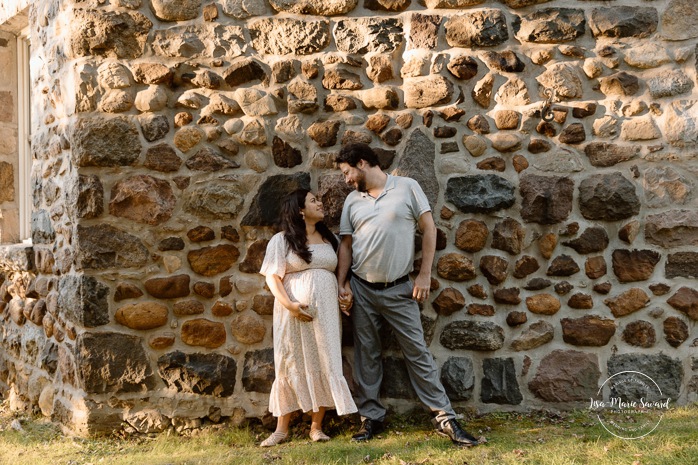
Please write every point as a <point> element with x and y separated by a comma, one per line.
<point>670,84</point>
<point>143,199</point>
<point>41,227</point>
<point>458,378</point>
<point>499,383</point>
<point>83,300</point>
<point>154,127</point>
<point>667,372</point>
<point>603,154</point>
<point>198,373</point>
<point>104,246</point>
<point>289,36</point>
<point>679,20</point>
<point>368,35</point>
<point>147,421</point>
<point>396,380</point>
<point>332,190</point>
<point>113,363</point>
<point>208,160</point>
<point>417,162</point>
<point>243,9</point>
<point>537,334</point>
<point>545,199</point>
<point>480,28</point>
<point>107,33</point>
<point>608,197</point>
<point>197,41</point>
<point>264,210</point>
<point>566,376</point>
<point>258,372</point>
<point>592,240</point>
<point>550,25</point>
<point>105,142</point>
<point>506,61</point>
<point>480,193</point>
<point>508,235</point>
<point>220,198</point>
<point>623,21</point>
<point>674,228</point>
<point>472,335</point>
<point>665,187</point>
<point>682,264</point>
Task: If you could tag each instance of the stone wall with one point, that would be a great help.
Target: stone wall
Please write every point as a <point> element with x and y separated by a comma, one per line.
<point>166,132</point>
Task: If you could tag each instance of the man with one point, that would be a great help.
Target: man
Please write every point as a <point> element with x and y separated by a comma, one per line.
<point>377,230</point>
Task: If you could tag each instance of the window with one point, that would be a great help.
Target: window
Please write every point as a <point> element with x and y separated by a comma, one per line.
<point>24,135</point>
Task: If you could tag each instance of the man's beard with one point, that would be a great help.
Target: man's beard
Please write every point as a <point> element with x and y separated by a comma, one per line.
<point>361,183</point>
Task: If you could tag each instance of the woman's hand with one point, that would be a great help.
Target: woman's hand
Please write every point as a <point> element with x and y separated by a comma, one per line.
<point>297,311</point>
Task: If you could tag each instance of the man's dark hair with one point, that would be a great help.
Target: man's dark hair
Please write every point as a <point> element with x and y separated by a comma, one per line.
<point>354,152</point>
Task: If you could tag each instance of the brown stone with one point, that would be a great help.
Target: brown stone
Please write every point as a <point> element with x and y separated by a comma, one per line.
<point>492,164</point>
<point>546,128</point>
<point>337,103</point>
<point>187,137</point>
<point>509,236</point>
<point>172,287</point>
<point>640,334</point>
<point>520,162</point>
<point>341,79</point>
<point>539,146</point>
<point>377,122</point>
<point>392,136</point>
<point>254,257</point>
<point>152,73</point>
<point>230,233</point>
<point>507,119</point>
<point>660,288</point>
<point>424,31</point>
<point>543,304</point>
<point>563,288</point>
<point>471,235</point>
<point>685,300</point>
<point>225,287</point>
<point>494,268</point>
<point>675,331</point>
<point>221,309</point>
<point>142,316</point>
<point>589,330</point>
<point>209,261</point>
<point>547,244</point>
<point>143,199</point>
<point>162,158</point>
<point>591,240</point>
<point>455,267</point>
<point>201,234</point>
<point>628,302</point>
<point>479,124</point>
<point>595,267</point>
<point>581,301</point>
<point>545,199</point>
<point>248,328</point>
<point>463,67</point>
<point>477,291</point>
<point>603,288</point>
<point>573,134</point>
<point>126,291</point>
<point>480,309</point>
<point>204,289</point>
<point>324,133</point>
<point>566,376</point>
<point>539,333</point>
<point>524,266</point>
<point>263,304</point>
<point>509,296</point>
<point>203,333</point>
<point>634,265</point>
<point>449,301</point>
<point>161,341</point>
<point>209,160</point>
<point>562,265</point>
<point>629,231</point>
<point>516,318</point>
<point>188,307</point>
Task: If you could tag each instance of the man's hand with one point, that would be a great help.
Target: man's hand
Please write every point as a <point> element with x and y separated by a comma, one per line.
<point>346,299</point>
<point>420,291</point>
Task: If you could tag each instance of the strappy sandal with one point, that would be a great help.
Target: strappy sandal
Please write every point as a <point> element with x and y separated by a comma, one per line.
<point>318,436</point>
<point>277,437</point>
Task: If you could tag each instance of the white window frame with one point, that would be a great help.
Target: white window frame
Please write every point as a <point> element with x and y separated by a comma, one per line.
<point>24,164</point>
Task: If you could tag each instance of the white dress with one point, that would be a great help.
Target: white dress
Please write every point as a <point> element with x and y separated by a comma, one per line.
<point>307,355</point>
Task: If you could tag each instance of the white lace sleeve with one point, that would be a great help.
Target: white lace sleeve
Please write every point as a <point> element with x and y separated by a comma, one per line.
<point>275,257</point>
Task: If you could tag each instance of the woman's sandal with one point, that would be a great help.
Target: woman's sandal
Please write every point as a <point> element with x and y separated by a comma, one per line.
<point>318,436</point>
<point>277,437</point>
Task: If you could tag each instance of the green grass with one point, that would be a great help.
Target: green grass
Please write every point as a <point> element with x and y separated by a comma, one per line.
<point>537,438</point>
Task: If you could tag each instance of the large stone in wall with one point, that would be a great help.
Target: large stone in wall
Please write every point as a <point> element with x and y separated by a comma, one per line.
<point>142,315</point>
<point>243,9</point>
<point>620,84</point>
<point>83,300</point>
<point>679,20</point>
<point>179,10</point>
<point>499,383</point>
<point>258,372</point>
<point>112,363</point>
<point>41,227</point>
<point>480,193</point>
<point>674,228</point>
<point>670,84</point>
<point>560,160</point>
<point>143,199</point>
<point>589,330</point>
<point>198,373</point>
<point>536,335</point>
<point>104,246</point>
<point>255,256</point>
<point>108,33</point>
<point>332,190</point>
<point>289,36</point>
<point>550,25</point>
<point>664,187</point>
<point>667,372</point>
<point>86,196</point>
<point>623,21</point>
<point>417,162</point>
<point>455,267</point>
<point>628,302</point>
<point>105,142</point>
<point>472,335</point>
<point>427,91</point>
<point>634,265</point>
<point>563,78</point>
<point>682,264</point>
<point>685,300</point>
<point>264,210</point>
<point>424,31</point>
<point>458,378</point>
<point>171,287</point>
<point>545,199</point>
<point>314,7</point>
<point>210,261</point>
<point>603,154</point>
<point>214,199</point>
<point>480,28</point>
<point>368,35</point>
<point>508,235</point>
<point>608,197</point>
<point>566,376</point>
<point>199,41</point>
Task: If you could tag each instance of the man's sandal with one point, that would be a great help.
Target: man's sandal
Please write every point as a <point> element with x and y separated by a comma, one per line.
<point>277,437</point>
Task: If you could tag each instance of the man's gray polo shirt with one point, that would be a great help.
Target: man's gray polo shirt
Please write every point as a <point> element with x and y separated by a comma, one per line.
<point>383,229</point>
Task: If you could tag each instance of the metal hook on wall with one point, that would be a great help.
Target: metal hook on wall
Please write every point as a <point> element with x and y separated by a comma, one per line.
<point>547,111</point>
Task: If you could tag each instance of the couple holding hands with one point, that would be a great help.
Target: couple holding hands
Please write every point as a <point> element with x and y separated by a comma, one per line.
<point>308,271</point>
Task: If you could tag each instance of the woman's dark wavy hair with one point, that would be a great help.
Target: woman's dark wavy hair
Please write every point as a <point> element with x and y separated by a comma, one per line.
<point>292,224</point>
